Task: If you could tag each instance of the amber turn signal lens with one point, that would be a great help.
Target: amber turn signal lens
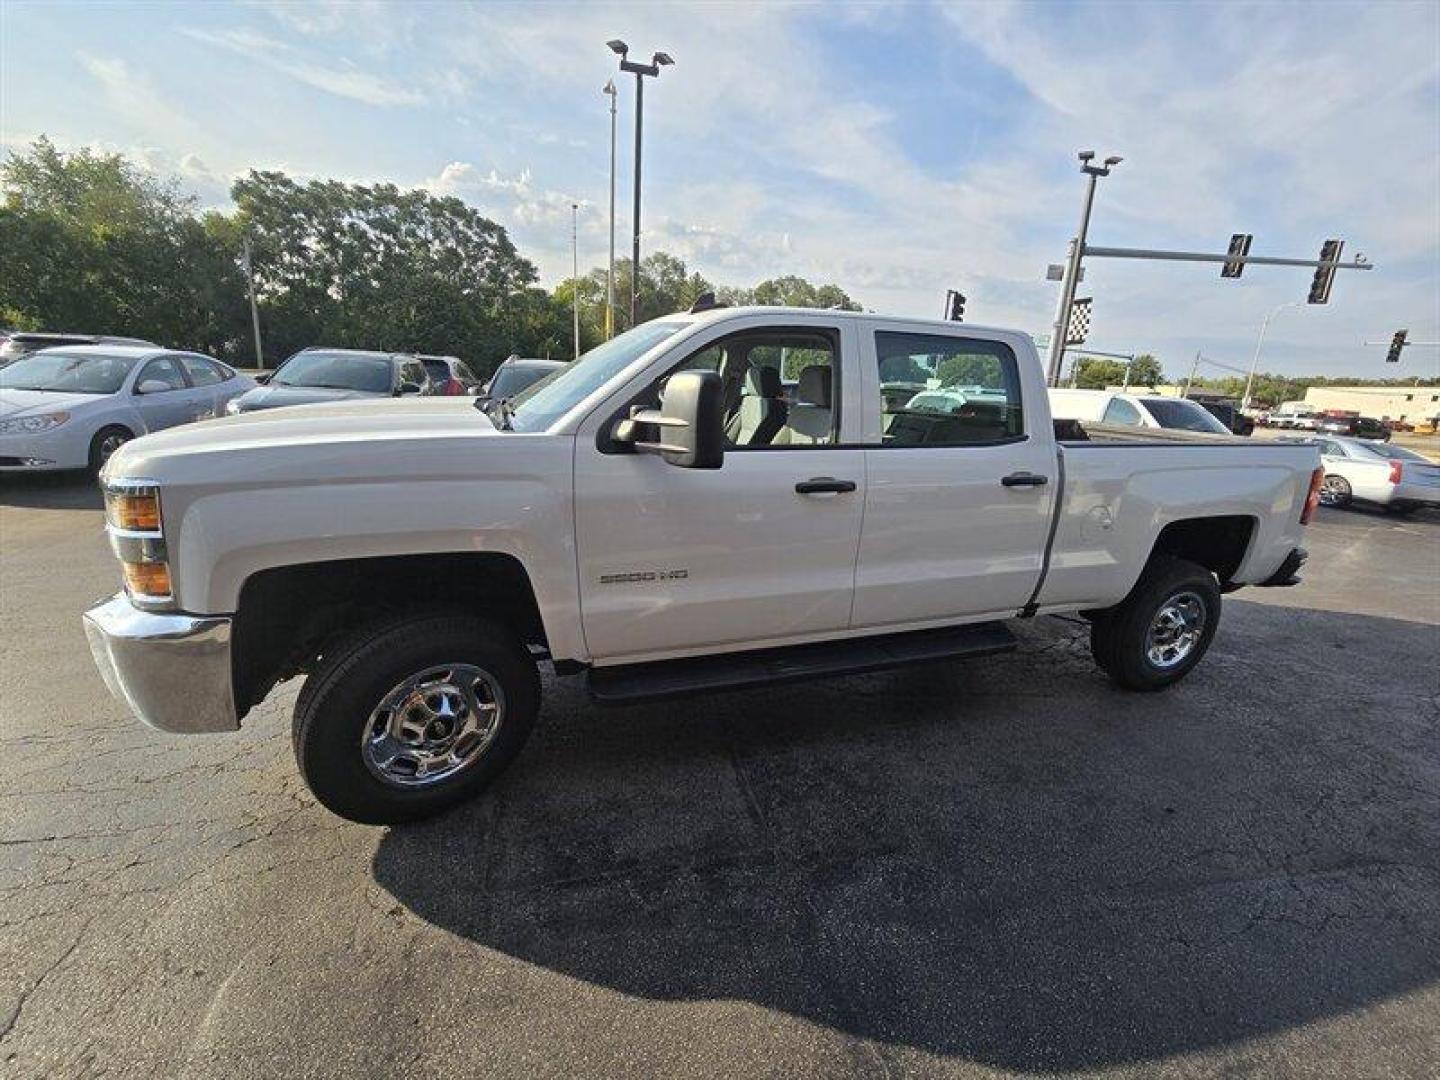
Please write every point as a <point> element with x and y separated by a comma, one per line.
<point>147,579</point>
<point>138,511</point>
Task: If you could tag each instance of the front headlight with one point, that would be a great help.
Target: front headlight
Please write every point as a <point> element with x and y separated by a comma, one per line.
<point>232,407</point>
<point>137,535</point>
<point>30,425</point>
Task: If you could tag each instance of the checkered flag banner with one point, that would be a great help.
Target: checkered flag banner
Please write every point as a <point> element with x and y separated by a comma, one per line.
<point>1079,327</point>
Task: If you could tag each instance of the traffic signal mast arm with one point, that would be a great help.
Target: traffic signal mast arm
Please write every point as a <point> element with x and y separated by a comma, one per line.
<point>1358,263</point>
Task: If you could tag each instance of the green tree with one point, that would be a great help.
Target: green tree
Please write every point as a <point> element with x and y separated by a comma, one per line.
<point>1146,371</point>
<point>1096,372</point>
<point>377,267</point>
<point>94,244</point>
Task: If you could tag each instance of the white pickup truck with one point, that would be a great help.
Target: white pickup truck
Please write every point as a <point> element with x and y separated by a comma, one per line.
<point>711,500</point>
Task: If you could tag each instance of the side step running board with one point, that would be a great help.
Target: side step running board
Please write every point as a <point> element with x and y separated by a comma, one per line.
<point>734,671</point>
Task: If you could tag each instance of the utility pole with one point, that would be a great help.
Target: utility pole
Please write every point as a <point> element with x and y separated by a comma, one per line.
<point>1255,363</point>
<point>612,93</point>
<point>254,311</point>
<point>1072,263</point>
<point>640,71</point>
<point>1191,377</point>
<point>575,270</point>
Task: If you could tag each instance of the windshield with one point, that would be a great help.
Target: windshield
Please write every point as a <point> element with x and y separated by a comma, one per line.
<point>1183,416</point>
<point>1393,453</point>
<point>537,407</point>
<point>512,378</point>
<point>67,372</point>
<point>336,371</point>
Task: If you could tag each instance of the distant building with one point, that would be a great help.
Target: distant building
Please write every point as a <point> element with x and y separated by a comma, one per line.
<point>1197,393</point>
<point>1412,403</point>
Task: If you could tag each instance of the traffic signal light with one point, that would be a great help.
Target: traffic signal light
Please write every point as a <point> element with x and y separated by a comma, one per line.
<point>957,306</point>
<point>1396,344</point>
<point>1239,245</point>
<point>1325,275</point>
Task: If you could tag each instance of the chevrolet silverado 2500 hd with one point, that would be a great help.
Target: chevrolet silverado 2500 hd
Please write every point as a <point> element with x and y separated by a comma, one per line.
<point>710,500</point>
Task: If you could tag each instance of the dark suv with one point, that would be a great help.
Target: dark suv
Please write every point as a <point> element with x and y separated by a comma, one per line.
<point>1361,427</point>
<point>1230,416</point>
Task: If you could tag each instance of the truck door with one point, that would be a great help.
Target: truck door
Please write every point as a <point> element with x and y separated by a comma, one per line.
<point>761,550</point>
<point>960,482</point>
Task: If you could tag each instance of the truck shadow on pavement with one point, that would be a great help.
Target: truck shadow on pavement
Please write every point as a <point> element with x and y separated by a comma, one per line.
<point>1004,861</point>
<point>51,491</point>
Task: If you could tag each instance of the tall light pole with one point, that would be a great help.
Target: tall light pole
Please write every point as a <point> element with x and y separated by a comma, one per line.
<point>1072,265</point>
<point>652,69</point>
<point>612,93</point>
<point>575,270</point>
<point>1255,363</point>
<point>254,310</point>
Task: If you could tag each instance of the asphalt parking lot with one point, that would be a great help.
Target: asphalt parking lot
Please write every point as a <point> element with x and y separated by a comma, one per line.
<point>994,867</point>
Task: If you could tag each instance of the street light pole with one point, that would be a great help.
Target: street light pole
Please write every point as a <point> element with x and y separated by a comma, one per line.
<point>640,71</point>
<point>612,93</point>
<point>1072,263</point>
<point>575,271</point>
<point>1255,363</point>
<point>254,310</point>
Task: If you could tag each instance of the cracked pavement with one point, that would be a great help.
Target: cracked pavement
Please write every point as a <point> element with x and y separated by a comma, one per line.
<point>985,868</point>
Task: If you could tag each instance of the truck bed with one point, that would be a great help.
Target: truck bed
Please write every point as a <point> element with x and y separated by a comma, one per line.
<point>1080,432</point>
<point>1121,486</point>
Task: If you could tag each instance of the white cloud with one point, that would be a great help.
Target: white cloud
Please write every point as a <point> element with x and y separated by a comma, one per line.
<point>346,79</point>
<point>134,99</point>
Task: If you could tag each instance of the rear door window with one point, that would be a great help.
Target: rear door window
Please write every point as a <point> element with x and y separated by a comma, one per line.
<point>939,390</point>
<point>202,372</point>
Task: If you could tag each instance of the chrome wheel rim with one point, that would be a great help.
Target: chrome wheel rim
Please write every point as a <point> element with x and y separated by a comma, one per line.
<point>109,445</point>
<point>1332,491</point>
<point>433,726</point>
<point>1176,630</point>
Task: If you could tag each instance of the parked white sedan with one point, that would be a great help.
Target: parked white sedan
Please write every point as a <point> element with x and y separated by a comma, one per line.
<point>1358,470</point>
<point>74,406</point>
<point>1133,410</point>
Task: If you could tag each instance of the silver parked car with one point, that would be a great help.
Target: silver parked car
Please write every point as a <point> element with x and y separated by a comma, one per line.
<point>317,375</point>
<point>72,407</point>
<point>1358,470</point>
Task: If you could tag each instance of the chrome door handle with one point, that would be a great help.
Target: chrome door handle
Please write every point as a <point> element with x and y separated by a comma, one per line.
<point>817,485</point>
<point>1023,479</point>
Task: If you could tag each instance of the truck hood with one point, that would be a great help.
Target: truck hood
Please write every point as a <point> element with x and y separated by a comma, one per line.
<point>273,444</point>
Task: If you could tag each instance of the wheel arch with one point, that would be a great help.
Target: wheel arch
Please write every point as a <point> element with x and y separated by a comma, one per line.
<point>287,616</point>
<point>1219,543</point>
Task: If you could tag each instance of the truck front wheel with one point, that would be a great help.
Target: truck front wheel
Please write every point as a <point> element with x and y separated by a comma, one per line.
<point>1152,638</point>
<point>410,717</point>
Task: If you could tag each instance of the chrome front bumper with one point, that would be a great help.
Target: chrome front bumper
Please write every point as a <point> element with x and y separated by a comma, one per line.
<point>173,671</point>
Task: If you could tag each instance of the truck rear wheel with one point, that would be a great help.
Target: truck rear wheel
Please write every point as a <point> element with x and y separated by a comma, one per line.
<point>1152,638</point>
<point>410,717</point>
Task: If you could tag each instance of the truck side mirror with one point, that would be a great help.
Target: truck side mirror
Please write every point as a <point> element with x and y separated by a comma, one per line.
<point>691,422</point>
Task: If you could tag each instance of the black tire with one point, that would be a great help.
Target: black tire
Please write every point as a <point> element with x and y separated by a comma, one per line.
<point>1335,491</point>
<point>335,708</point>
<point>104,444</point>
<point>1119,638</point>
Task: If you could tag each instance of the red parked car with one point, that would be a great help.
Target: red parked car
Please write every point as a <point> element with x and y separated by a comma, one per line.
<point>450,376</point>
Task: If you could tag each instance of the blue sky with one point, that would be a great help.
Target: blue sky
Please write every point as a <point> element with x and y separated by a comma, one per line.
<point>898,150</point>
